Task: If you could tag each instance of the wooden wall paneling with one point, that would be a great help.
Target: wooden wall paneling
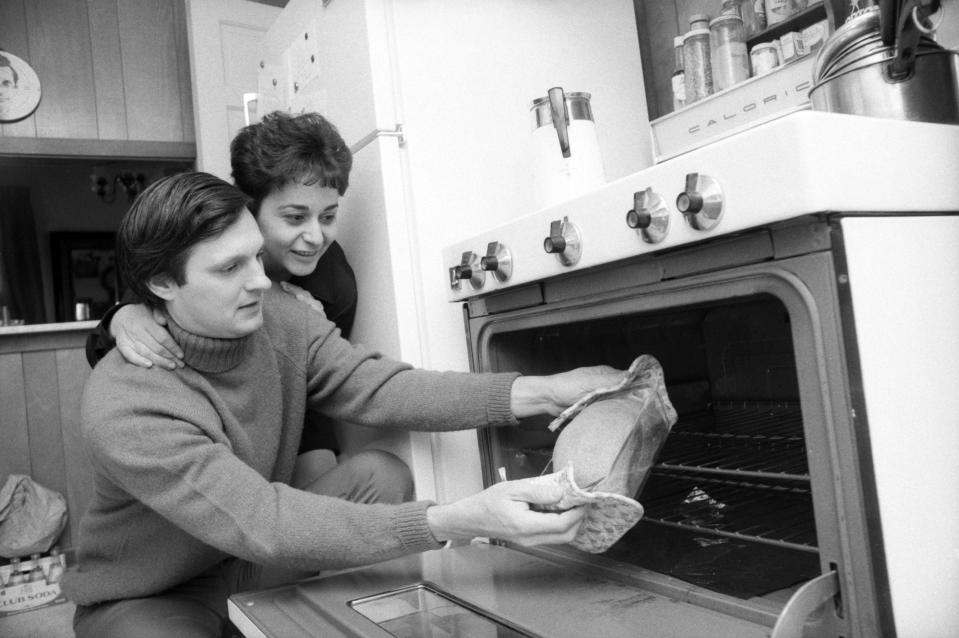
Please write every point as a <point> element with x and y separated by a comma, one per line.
<point>43,423</point>
<point>15,445</point>
<point>13,38</point>
<point>72,372</point>
<point>150,70</point>
<point>107,70</point>
<point>183,69</point>
<point>43,419</point>
<point>59,38</point>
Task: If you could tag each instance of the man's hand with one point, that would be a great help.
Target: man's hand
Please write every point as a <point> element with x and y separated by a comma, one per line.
<point>553,394</point>
<point>503,511</point>
<point>142,338</point>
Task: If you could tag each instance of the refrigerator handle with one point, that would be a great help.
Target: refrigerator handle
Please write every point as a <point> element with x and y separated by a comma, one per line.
<point>380,132</point>
<point>247,98</point>
<point>805,601</point>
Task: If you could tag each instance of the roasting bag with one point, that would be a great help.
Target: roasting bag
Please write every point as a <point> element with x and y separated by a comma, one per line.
<point>607,448</point>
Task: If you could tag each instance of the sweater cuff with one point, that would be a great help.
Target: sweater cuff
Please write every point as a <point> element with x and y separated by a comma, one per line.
<point>498,410</point>
<point>409,525</point>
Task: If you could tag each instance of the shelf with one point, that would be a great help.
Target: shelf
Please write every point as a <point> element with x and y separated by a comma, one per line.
<point>48,147</point>
<point>801,20</point>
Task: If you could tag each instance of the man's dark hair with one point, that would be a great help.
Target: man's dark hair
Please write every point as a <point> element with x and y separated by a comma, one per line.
<point>283,149</point>
<point>5,61</point>
<point>166,221</point>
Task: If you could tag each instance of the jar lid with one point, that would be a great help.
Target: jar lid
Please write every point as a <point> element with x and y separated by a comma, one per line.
<point>678,41</point>
<point>726,17</point>
<point>698,17</point>
<point>696,32</point>
<point>765,45</point>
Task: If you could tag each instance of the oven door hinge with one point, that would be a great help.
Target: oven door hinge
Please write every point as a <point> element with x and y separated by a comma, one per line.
<point>804,602</point>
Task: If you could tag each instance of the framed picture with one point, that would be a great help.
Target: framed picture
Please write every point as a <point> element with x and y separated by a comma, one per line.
<point>85,279</point>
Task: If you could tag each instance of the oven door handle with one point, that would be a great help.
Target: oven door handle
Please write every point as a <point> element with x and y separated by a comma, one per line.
<point>806,600</point>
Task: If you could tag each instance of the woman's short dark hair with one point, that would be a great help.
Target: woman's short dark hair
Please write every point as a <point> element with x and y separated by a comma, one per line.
<point>283,149</point>
<point>166,221</point>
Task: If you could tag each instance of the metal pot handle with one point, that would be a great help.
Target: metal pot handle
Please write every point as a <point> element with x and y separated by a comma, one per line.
<point>912,18</point>
<point>557,110</point>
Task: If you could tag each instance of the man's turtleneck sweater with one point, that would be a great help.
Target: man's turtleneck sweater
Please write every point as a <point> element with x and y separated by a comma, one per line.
<point>192,466</point>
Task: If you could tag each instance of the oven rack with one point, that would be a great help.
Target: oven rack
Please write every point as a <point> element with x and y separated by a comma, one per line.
<point>771,421</point>
<point>779,514</point>
<point>759,441</point>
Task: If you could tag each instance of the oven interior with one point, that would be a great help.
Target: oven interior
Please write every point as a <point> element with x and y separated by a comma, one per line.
<point>728,504</point>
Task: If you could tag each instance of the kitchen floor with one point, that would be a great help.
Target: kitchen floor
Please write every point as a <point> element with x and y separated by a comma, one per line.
<point>55,621</point>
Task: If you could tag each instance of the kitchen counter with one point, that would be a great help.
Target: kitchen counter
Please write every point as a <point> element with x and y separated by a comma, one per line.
<point>35,328</point>
<point>44,336</point>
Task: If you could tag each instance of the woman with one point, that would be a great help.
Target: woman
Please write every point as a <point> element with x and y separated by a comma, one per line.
<point>294,169</point>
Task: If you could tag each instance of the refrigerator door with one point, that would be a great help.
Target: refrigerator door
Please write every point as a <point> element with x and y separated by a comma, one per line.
<point>458,78</point>
<point>225,38</point>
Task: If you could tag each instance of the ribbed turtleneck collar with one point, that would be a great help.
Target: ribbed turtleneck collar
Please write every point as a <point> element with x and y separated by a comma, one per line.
<point>209,354</point>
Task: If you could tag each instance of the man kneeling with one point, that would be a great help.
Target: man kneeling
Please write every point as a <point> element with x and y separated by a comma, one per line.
<point>192,467</point>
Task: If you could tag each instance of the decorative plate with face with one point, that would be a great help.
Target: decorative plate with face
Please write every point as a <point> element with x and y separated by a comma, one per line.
<point>19,88</point>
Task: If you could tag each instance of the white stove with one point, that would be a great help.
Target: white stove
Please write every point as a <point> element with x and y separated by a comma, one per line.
<point>875,203</point>
<point>805,162</point>
<point>804,314</point>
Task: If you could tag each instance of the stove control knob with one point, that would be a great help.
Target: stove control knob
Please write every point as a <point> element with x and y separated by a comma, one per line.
<point>498,260</point>
<point>564,241</point>
<point>702,202</point>
<point>468,270</point>
<point>649,215</point>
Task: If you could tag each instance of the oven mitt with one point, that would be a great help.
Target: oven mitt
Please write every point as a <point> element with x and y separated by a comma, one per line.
<point>608,516</point>
<point>610,443</point>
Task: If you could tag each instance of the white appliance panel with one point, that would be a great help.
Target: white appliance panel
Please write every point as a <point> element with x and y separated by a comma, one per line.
<point>780,170</point>
<point>902,275</point>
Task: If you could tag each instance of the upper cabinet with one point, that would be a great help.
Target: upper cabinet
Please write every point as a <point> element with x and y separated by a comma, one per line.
<point>115,77</point>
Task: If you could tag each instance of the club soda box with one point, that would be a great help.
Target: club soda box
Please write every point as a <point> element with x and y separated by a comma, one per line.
<point>31,584</point>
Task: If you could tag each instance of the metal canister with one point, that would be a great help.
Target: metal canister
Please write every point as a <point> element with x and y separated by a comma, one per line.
<point>697,69</point>
<point>81,310</point>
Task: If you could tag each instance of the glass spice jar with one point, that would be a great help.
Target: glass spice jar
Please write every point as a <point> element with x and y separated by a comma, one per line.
<point>679,74</point>
<point>753,13</point>
<point>779,10</point>
<point>764,58</point>
<point>696,65</point>
<point>728,56</point>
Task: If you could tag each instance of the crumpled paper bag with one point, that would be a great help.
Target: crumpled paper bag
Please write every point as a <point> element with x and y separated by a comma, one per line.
<point>32,517</point>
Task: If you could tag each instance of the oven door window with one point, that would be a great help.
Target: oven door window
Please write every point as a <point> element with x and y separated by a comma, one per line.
<point>423,611</point>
